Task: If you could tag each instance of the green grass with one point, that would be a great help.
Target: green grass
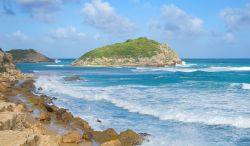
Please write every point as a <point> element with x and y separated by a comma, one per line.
<point>141,47</point>
<point>19,54</point>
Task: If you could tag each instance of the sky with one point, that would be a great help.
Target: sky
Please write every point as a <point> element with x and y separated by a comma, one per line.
<point>69,28</point>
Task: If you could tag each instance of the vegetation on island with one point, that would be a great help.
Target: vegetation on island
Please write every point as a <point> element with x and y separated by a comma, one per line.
<point>28,55</point>
<point>133,52</point>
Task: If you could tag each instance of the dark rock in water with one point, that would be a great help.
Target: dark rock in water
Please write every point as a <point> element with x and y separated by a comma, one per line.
<point>99,121</point>
<point>145,136</point>
<point>72,78</point>
<point>40,88</point>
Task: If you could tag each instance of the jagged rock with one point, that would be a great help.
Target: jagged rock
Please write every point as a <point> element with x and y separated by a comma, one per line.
<point>44,116</point>
<point>49,140</point>
<point>130,138</point>
<point>6,106</point>
<point>7,120</point>
<point>18,138</point>
<point>72,137</point>
<point>115,142</point>
<point>19,108</point>
<point>39,128</point>
<point>80,123</point>
<point>105,136</point>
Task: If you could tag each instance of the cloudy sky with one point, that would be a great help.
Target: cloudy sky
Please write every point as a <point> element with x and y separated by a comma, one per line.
<point>68,28</point>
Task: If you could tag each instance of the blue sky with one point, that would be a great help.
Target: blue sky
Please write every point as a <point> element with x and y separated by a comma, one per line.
<point>69,28</point>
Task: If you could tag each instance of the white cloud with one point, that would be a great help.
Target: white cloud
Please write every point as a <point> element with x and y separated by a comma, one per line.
<point>68,33</point>
<point>20,36</point>
<point>103,16</point>
<point>44,10</point>
<point>236,18</point>
<point>177,22</point>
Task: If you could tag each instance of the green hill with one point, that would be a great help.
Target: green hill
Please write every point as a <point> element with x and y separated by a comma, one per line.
<point>136,52</point>
<point>28,55</point>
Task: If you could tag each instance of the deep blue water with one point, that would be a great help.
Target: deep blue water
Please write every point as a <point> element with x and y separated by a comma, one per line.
<point>205,102</point>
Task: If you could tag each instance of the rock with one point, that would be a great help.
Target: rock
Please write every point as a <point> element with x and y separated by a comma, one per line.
<point>40,88</point>
<point>104,136</point>
<point>7,120</point>
<point>81,124</point>
<point>6,106</point>
<point>112,133</point>
<point>44,116</point>
<point>30,110</point>
<point>39,129</point>
<point>115,142</point>
<point>62,114</point>
<point>72,78</point>
<point>130,138</point>
<point>49,140</point>
<point>19,108</point>
<point>18,138</point>
<point>87,136</point>
<point>99,121</point>
<point>72,137</point>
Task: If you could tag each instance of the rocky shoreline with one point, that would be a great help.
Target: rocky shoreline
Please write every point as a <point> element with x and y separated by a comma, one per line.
<point>28,119</point>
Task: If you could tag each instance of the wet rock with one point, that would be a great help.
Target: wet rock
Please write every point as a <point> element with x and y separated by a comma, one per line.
<point>40,88</point>
<point>130,138</point>
<point>99,121</point>
<point>72,137</point>
<point>63,115</point>
<point>72,78</point>
<point>44,116</point>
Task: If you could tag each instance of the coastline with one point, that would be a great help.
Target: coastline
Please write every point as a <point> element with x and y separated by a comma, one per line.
<point>47,124</point>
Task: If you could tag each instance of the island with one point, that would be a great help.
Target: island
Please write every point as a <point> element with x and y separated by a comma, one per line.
<point>28,56</point>
<point>134,52</point>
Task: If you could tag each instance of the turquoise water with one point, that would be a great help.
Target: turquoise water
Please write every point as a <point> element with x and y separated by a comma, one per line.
<point>204,102</point>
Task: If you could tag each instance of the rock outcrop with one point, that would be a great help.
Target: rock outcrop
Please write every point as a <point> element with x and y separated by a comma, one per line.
<point>137,52</point>
<point>28,56</point>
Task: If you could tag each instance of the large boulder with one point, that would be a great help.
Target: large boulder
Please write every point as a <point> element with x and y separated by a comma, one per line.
<point>18,138</point>
<point>130,138</point>
<point>72,137</point>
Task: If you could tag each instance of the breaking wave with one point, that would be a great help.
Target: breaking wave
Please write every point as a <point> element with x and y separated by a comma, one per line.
<point>54,85</point>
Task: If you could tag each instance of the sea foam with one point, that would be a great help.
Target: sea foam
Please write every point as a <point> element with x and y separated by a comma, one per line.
<point>54,85</point>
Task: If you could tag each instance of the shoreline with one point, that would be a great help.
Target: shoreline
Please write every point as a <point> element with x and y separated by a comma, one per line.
<point>54,125</point>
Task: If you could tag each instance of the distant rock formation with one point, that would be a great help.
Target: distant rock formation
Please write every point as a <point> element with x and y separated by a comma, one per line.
<point>136,52</point>
<point>28,56</point>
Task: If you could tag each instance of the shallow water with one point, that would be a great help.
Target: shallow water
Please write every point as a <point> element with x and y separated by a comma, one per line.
<point>204,102</point>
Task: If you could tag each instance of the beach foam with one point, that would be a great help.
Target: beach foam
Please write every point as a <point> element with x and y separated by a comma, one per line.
<point>137,102</point>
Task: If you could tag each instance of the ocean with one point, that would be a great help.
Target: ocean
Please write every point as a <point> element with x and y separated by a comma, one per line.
<point>203,102</point>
